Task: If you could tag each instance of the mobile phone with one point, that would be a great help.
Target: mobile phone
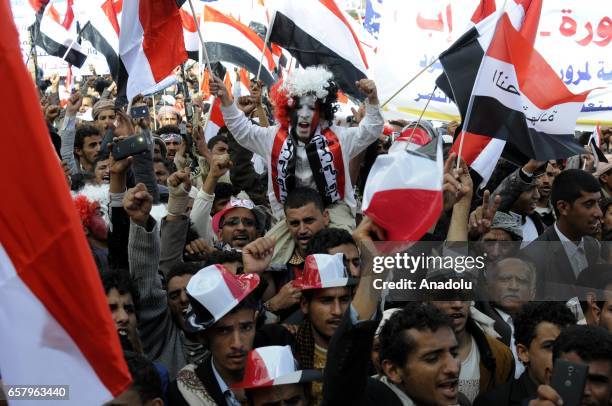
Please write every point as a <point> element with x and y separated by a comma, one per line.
<point>183,128</point>
<point>129,146</point>
<point>139,111</point>
<point>568,380</point>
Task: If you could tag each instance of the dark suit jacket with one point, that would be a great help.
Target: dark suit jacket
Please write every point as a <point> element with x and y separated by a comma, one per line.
<point>500,326</point>
<point>555,277</point>
<point>509,394</point>
<point>205,374</point>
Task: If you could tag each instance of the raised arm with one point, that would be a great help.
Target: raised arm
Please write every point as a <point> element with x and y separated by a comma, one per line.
<point>68,132</point>
<point>356,139</point>
<point>254,138</point>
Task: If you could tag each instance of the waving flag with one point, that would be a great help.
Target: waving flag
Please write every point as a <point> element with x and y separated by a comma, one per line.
<point>100,22</point>
<point>403,193</point>
<point>215,120</point>
<point>190,32</point>
<point>516,96</point>
<point>58,35</point>
<point>54,317</point>
<point>151,46</point>
<point>228,40</point>
<point>319,33</point>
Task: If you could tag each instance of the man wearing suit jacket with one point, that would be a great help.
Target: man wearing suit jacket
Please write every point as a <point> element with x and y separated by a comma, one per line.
<point>566,247</point>
<point>537,326</point>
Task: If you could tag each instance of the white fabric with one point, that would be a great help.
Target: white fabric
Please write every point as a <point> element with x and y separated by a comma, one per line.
<point>200,216</point>
<point>261,139</point>
<point>469,377</point>
<point>530,232</point>
<point>575,253</point>
<point>519,368</point>
<point>32,337</point>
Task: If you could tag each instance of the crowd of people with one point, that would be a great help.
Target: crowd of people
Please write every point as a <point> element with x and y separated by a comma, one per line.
<point>238,268</point>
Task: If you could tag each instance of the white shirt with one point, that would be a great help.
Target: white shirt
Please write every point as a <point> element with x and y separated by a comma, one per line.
<point>575,253</point>
<point>530,232</point>
<point>469,377</point>
<point>260,140</point>
<point>227,392</point>
<point>519,367</point>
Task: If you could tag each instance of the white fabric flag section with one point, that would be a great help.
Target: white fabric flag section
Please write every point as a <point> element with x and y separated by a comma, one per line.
<point>58,36</point>
<point>150,48</point>
<point>403,193</point>
<point>54,317</point>
<point>100,22</point>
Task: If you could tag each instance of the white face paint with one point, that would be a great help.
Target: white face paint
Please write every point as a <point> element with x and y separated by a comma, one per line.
<point>305,114</point>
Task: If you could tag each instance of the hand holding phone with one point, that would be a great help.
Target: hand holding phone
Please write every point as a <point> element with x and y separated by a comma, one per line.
<point>139,111</point>
<point>129,146</point>
<point>569,379</point>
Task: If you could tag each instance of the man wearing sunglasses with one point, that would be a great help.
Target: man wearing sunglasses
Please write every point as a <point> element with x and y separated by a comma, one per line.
<point>236,223</point>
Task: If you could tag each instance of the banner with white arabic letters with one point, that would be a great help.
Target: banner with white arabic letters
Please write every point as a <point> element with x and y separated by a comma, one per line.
<point>574,36</point>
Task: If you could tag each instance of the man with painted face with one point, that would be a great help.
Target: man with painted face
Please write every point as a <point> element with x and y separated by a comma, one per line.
<point>304,148</point>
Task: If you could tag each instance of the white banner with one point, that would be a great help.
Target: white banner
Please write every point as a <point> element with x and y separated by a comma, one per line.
<point>574,36</point>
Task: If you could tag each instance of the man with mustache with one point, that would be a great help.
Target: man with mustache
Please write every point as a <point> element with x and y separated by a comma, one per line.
<point>511,284</point>
<point>304,148</point>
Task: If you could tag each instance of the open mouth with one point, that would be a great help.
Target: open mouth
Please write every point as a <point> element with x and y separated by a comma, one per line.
<point>122,332</point>
<point>449,388</point>
<point>106,179</point>
<point>303,125</point>
<point>241,237</point>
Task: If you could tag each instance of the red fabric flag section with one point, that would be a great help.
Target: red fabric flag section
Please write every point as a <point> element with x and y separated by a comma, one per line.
<point>54,317</point>
<point>151,44</point>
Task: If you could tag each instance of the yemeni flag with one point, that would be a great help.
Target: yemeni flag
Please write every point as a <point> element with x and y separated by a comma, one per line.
<point>54,317</point>
<point>215,120</point>
<point>595,146</point>
<point>190,32</point>
<point>57,34</point>
<point>520,99</point>
<point>151,46</point>
<point>228,40</point>
<point>317,32</point>
<point>100,22</point>
<point>493,116</point>
<point>403,193</point>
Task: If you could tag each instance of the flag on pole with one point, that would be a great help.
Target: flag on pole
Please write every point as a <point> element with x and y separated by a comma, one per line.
<point>54,317</point>
<point>319,33</point>
<point>57,34</point>
<point>516,96</point>
<point>190,32</point>
<point>215,120</point>
<point>595,146</point>
<point>228,40</point>
<point>151,46</point>
<point>100,22</point>
<point>403,193</point>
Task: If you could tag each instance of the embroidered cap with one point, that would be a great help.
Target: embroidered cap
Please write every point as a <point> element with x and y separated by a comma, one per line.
<point>271,366</point>
<point>234,203</point>
<point>213,292</point>
<point>323,271</point>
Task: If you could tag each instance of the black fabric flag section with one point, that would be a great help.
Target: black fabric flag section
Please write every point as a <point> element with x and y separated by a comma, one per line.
<point>310,52</point>
<point>498,121</point>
